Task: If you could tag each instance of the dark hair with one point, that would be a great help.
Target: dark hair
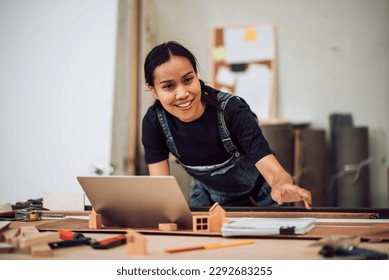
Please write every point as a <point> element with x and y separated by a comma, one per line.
<point>161,54</point>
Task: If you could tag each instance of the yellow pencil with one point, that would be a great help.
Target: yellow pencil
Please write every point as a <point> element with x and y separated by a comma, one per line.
<point>209,246</point>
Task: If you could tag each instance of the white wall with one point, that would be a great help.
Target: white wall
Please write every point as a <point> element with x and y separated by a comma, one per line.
<point>333,56</point>
<point>56,89</point>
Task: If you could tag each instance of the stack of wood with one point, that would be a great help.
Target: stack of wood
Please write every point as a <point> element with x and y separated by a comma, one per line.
<point>29,238</point>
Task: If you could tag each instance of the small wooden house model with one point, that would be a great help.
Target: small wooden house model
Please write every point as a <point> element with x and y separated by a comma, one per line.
<point>211,222</point>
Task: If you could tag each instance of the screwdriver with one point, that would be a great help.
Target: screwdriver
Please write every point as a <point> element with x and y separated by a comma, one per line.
<point>110,242</point>
<point>70,239</point>
<point>69,235</point>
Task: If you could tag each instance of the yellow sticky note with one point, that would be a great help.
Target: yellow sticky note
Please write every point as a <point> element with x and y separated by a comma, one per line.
<point>250,35</point>
<point>218,53</point>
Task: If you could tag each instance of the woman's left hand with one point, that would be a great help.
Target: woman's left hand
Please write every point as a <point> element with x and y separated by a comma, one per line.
<point>291,193</point>
<point>283,189</point>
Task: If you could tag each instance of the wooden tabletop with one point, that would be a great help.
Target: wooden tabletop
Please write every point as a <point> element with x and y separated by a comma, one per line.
<point>264,247</point>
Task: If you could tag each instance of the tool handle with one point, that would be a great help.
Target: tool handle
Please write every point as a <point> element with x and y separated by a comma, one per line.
<point>69,243</point>
<point>352,252</point>
<point>69,235</point>
<point>110,242</point>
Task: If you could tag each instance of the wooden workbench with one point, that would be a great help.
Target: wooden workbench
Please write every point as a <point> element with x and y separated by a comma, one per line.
<point>373,231</point>
<point>262,249</point>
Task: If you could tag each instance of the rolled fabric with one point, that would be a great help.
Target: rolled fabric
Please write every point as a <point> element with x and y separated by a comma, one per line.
<point>352,180</point>
<point>313,173</point>
<point>281,140</point>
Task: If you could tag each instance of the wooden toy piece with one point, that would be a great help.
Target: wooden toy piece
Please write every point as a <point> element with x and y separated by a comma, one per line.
<point>136,243</point>
<point>42,250</point>
<point>212,222</point>
<point>94,220</point>
<point>37,241</point>
<point>201,223</point>
<point>167,226</point>
<point>5,248</point>
<point>217,216</point>
<point>9,234</point>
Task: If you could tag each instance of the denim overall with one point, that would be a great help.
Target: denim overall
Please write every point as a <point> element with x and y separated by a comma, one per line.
<point>230,183</point>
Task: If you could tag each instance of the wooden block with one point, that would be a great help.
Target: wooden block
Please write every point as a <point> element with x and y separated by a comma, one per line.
<point>94,220</point>
<point>28,231</point>
<point>42,250</point>
<point>167,226</point>
<point>136,243</point>
<point>9,234</point>
<point>217,216</point>
<point>30,237</point>
<point>14,241</point>
<point>3,226</point>
<point>38,239</point>
<point>5,248</point>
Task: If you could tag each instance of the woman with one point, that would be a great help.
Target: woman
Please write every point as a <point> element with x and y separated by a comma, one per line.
<point>214,136</point>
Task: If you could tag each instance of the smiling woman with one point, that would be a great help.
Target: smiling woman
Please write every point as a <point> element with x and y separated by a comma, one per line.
<point>214,136</point>
<point>177,87</point>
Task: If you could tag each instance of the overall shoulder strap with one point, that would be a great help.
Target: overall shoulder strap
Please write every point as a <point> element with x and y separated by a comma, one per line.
<point>166,131</point>
<point>223,98</point>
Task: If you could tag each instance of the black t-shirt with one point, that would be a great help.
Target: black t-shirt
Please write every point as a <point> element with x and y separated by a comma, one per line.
<point>198,143</point>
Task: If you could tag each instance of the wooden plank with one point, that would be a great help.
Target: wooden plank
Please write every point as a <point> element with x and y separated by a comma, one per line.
<point>133,118</point>
<point>167,226</point>
<point>28,231</point>
<point>5,248</point>
<point>41,250</point>
<point>9,234</point>
<point>38,239</point>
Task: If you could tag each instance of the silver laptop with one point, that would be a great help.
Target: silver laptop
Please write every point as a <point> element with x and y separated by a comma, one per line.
<point>137,201</point>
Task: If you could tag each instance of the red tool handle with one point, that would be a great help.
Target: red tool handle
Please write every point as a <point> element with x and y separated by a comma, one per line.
<point>110,242</point>
<point>69,235</point>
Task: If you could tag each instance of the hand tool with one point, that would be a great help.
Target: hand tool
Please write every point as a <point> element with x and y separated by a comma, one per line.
<point>70,239</point>
<point>352,252</point>
<point>109,242</point>
<point>28,215</point>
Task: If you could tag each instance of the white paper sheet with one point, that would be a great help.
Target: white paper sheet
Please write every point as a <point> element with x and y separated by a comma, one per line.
<point>261,226</point>
<point>255,86</point>
<point>225,76</point>
<point>238,49</point>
